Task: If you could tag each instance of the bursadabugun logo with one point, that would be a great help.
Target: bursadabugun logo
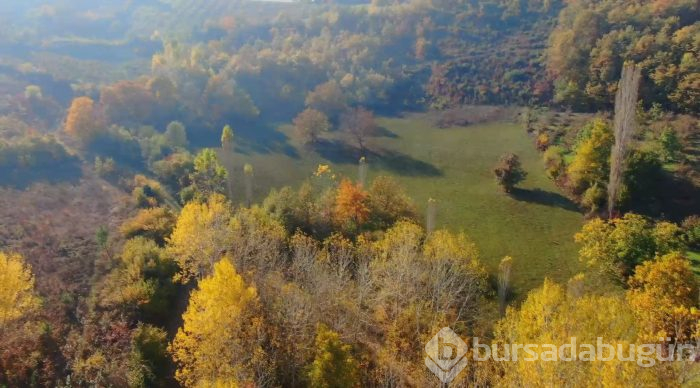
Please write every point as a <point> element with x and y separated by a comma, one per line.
<point>446,355</point>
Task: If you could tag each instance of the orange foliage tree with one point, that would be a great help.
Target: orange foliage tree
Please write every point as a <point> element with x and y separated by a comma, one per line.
<point>351,204</point>
<point>81,120</point>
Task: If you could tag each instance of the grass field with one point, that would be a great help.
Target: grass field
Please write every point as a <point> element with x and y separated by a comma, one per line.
<point>535,226</point>
<point>695,261</point>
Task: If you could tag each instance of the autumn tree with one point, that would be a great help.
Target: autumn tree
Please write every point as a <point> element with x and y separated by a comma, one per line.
<point>220,338</point>
<point>82,121</point>
<point>509,172</point>
<point>359,125</point>
<point>625,126</point>
<point>328,98</point>
<point>351,205</point>
<point>549,317</point>
<point>200,236</point>
<point>309,124</point>
<point>617,246</point>
<point>388,201</point>
<point>127,102</point>
<point>664,297</point>
<point>591,161</point>
<point>334,365</point>
<point>17,296</point>
<point>154,223</point>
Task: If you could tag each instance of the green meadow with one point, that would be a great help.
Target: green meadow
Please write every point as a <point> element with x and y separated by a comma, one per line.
<point>535,225</point>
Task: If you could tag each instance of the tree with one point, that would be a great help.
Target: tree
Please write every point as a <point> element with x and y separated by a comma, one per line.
<point>227,138</point>
<point>351,205</point>
<point>509,172</point>
<point>309,124</point>
<point>591,162</point>
<point>176,135</point>
<point>359,124</point>
<point>334,365</point>
<point>619,245</point>
<point>200,236</point>
<point>148,362</point>
<point>625,126</point>
<point>388,201</point>
<point>248,182</point>
<point>328,98</point>
<point>17,296</point>
<point>550,318</point>
<point>154,223</point>
<point>209,176</point>
<point>220,335</point>
<point>670,144</point>
<point>504,271</point>
<point>127,102</point>
<point>227,154</point>
<point>81,121</point>
<point>663,295</point>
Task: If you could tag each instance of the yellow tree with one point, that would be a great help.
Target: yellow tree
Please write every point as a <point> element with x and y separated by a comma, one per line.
<point>81,119</point>
<point>200,236</point>
<point>218,343</point>
<point>16,288</point>
<point>663,294</point>
<point>548,319</point>
<point>591,162</point>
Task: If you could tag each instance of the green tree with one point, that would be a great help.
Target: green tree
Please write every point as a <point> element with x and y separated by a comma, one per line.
<point>209,176</point>
<point>670,144</point>
<point>334,365</point>
<point>176,135</point>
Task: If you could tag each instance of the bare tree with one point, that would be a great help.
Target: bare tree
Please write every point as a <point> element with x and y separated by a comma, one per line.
<point>625,115</point>
<point>431,214</point>
<point>248,181</point>
<point>359,124</point>
<point>504,271</point>
<point>362,172</point>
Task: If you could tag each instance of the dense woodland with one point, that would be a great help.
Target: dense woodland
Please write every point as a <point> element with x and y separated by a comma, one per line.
<point>136,251</point>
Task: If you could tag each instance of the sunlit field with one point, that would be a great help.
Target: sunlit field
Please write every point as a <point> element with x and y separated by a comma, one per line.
<point>535,225</point>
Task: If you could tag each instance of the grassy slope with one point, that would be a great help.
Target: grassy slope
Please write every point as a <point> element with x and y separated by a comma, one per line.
<point>453,165</point>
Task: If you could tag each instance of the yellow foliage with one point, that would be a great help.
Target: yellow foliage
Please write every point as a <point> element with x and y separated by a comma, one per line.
<point>17,296</point>
<point>592,159</point>
<point>549,316</point>
<point>219,333</point>
<point>663,294</point>
<point>201,234</point>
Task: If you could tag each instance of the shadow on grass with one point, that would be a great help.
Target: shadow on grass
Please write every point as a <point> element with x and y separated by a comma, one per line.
<point>385,132</point>
<point>264,140</point>
<point>248,138</point>
<point>542,197</point>
<point>21,178</point>
<point>340,152</point>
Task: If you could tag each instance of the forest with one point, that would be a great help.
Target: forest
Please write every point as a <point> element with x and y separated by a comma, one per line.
<point>308,193</point>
